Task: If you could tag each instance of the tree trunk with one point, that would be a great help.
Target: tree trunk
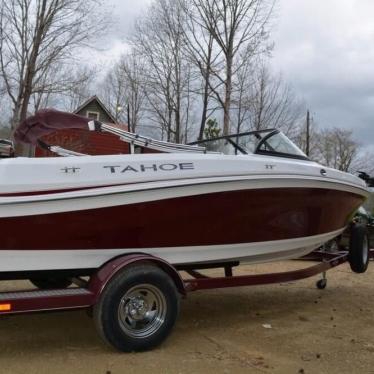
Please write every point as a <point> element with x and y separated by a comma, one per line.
<point>205,102</point>
<point>204,113</point>
<point>227,103</point>
<point>206,88</point>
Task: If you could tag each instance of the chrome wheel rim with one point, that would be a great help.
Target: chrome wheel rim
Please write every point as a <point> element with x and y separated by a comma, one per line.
<point>142,311</point>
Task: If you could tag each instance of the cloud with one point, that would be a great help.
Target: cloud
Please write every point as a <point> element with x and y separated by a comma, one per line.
<point>113,43</point>
<point>324,49</point>
<point>125,13</point>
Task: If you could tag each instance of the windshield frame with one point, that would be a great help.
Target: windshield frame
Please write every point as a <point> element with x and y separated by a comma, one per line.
<point>257,151</point>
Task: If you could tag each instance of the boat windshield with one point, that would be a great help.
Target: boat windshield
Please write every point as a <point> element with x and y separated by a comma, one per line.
<point>266,142</point>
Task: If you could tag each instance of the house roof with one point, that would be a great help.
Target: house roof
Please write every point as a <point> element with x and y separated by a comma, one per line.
<point>95,98</point>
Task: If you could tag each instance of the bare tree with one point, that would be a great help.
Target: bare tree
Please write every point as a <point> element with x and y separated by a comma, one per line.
<point>196,51</point>
<point>158,40</point>
<point>124,90</point>
<point>69,90</point>
<point>337,148</point>
<point>113,92</point>
<point>261,100</point>
<point>239,27</point>
<point>76,91</point>
<point>199,46</point>
<point>132,68</point>
<point>243,93</point>
<point>37,39</point>
<point>363,162</point>
<point>272,103</point>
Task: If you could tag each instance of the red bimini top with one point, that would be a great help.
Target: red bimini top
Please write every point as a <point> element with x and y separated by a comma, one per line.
<point>47,121</point>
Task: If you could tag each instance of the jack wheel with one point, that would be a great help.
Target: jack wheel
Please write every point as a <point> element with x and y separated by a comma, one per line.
<point>321,284</point>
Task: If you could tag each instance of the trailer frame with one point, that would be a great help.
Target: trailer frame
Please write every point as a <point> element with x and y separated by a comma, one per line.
<point>86,294</point>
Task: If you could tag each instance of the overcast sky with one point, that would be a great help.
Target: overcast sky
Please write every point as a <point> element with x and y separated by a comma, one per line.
<point>324,49</point>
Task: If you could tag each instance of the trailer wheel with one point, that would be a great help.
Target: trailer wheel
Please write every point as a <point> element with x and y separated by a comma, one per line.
<point>51,283</point>
<point>359,249</point>
<point>137,309</point>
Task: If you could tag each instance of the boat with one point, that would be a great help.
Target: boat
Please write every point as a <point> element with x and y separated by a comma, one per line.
<point>251,197</point>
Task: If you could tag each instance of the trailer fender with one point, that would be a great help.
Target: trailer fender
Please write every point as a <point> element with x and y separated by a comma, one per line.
<point>101,278</point>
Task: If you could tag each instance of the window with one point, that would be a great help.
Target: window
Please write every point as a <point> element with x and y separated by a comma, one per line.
<point>270,142</point>
<point>278,143</point>
<point>93,115</point>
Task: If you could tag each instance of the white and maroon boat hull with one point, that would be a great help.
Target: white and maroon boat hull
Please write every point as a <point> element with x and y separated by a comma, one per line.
<point>182,208</point>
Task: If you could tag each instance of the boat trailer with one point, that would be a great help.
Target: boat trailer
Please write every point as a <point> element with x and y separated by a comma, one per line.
<point>134,299</point>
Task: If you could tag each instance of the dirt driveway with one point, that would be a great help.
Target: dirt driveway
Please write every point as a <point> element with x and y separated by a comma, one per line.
<point>287,328</point>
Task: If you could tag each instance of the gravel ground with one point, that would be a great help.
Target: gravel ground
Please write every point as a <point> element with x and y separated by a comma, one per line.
<point>283,328</point>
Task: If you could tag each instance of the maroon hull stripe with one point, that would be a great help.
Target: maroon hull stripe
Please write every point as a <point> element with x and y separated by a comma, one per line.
<point>210,219</point>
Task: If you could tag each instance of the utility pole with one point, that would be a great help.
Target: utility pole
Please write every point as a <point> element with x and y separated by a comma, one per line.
<point>128,118</point>
<point>307,149</point>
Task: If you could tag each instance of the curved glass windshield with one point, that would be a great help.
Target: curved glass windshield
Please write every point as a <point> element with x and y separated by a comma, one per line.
<point>221,146</point>
<point>279,143</point>
<point>271,142</point>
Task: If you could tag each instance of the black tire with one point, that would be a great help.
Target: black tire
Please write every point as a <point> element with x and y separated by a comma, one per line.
<point>359,249</point>
<point>122,315</point>
<point>51,283</point>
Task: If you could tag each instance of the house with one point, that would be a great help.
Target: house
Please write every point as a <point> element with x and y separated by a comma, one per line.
<point>85,141</point>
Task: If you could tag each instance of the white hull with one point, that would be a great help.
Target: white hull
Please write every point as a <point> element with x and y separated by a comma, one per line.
<point>40,260</point>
